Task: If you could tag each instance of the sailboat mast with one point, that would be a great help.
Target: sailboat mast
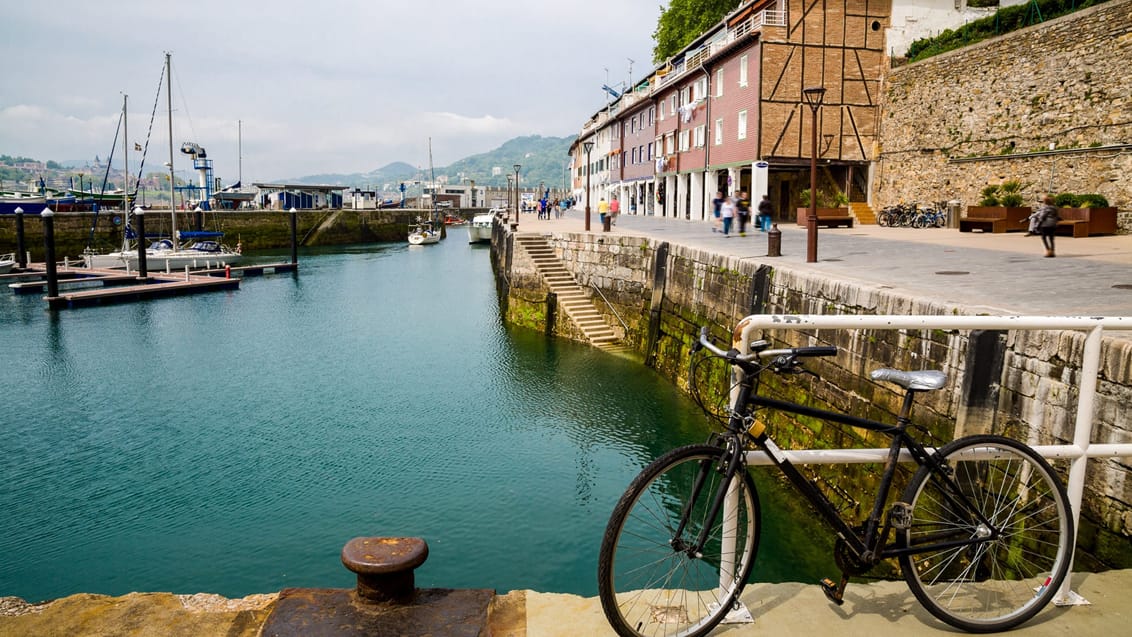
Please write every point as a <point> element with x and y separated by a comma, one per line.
<point>432,177</point>
<point>169,106</point>
<point>125,172</point>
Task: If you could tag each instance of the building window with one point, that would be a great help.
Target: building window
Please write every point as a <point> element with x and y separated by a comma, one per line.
<point>652,111</point>
<point>650,156</point>
<point>674,104</point>
<point>719,131</point>
<point>742,124</point>
<point>743,71</point>
<point>683,141</point>
<point>669,144</point>
<point>698,136</point>
<point>719,83</point>
<point>661,115</point>
<point>701,88</point>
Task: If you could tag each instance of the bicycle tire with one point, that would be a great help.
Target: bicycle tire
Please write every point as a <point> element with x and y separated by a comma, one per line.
<point>1000,583</point>
<point>647,586</point>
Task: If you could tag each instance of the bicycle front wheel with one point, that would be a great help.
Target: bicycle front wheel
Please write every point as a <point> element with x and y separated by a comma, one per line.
<point>994,541</point>
<point>652,578</point>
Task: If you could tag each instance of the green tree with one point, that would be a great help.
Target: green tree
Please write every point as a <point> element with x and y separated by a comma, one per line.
<point>683,21</point>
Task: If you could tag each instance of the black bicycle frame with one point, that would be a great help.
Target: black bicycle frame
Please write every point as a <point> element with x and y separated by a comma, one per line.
<point>868,544</point>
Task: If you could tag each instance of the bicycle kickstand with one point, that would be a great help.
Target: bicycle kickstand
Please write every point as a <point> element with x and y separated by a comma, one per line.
<point>835,592</point>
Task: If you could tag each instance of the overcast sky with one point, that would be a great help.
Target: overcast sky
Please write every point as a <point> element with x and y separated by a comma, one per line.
<point>323,86</point>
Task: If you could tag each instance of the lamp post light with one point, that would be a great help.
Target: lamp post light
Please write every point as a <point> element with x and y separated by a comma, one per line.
<point>814,96</point>
<point>517,167</point>
<point>588,146</point>
<point>509,198</point>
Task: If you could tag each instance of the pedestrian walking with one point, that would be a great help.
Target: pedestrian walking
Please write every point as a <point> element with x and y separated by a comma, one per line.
<point>1047,223</point>
<point>602,210</point>
<point>743,210</point>
<point>614,210</point>
<point>727,215</point>
<point>766,213</point>
<point>716,205</point>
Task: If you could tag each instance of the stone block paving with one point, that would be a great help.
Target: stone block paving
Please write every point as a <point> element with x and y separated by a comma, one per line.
<point>1003,273</point>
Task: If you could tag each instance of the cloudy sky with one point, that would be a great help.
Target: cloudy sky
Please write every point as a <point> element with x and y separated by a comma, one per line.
<point>318,86</point>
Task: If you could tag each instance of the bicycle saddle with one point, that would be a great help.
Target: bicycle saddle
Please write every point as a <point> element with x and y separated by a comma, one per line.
<point>924,380</point>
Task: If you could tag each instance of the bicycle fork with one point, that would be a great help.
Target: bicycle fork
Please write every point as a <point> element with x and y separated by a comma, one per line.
<point>734,459</point>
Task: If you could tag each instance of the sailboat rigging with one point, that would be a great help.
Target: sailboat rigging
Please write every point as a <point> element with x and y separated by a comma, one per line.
<point>192,249</point>
<point>431,231</point>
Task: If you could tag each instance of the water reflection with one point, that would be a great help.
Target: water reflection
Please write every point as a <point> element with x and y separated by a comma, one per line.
<point>376,394</point>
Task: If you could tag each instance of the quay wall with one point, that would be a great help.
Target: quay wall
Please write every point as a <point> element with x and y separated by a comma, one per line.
<point>254,230</point>
<point>1019,384</point>
<point>1049,106</point>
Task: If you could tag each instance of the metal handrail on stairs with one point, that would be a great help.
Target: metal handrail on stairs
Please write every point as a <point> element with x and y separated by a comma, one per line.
<point>611,308</point>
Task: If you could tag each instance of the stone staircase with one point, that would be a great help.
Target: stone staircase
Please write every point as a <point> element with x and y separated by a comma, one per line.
<point>572,299</point>
<point>863,212</point>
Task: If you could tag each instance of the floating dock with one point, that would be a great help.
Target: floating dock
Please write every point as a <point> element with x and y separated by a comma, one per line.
<point>78,287</point>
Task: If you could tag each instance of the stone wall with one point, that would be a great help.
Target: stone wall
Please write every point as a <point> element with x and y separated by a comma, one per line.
<point>957,122</point>
<point>1021,384</point>
<point>256,230</point>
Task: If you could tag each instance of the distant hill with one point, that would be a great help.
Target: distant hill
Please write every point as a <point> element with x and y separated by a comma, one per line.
<point>543,159</point>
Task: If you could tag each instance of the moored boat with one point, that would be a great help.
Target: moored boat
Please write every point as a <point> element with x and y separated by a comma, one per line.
<point>424,234</point>
<point>480,230</point>
<point>7,262</point>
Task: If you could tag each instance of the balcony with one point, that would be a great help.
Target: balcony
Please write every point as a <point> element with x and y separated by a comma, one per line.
<point>693,59</point>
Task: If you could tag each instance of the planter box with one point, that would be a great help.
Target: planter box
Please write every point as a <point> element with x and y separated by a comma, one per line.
<point>1085,222</point>
<point>995,219</point>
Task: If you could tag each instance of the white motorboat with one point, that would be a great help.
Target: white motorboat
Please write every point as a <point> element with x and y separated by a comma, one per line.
<point>480,230</point>
<point>7,262</point>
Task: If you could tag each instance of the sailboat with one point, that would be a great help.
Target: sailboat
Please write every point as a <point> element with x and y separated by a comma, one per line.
<point>192,249</point>
<point>427,232</point>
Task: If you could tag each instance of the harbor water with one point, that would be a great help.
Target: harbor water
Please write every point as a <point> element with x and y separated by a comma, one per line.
<point>233,442</point>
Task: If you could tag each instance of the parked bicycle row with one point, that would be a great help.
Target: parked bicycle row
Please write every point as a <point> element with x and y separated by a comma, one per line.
<point>914,215</point>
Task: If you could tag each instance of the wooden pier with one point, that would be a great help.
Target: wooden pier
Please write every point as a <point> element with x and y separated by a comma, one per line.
<point>80,286</point>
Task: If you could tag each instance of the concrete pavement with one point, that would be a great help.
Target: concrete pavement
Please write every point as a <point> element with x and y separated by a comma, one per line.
<point>1002,273</point>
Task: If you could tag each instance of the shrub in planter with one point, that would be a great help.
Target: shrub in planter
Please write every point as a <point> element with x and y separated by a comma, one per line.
<point>1092,201</point>
<point>1066,200</point>
<point>990,196</point>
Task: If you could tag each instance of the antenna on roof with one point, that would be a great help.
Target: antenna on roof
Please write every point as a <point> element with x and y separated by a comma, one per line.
<point>630,74</point>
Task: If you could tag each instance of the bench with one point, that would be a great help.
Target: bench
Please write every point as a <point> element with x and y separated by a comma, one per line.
<point>1085,222</point>
<point>994,219</point>
<point>827,217</point>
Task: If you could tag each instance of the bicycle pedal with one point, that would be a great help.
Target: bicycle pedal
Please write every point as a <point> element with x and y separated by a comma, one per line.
<point>832,591</point>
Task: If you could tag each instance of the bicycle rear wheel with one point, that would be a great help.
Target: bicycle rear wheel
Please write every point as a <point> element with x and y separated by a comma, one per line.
<point>1005,579</point>
<point>651,582</point>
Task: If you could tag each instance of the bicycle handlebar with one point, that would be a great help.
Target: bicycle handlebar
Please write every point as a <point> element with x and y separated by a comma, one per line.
<point>734,356</point>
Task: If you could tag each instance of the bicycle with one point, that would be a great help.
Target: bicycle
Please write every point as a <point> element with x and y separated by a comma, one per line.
<point>982,532</point>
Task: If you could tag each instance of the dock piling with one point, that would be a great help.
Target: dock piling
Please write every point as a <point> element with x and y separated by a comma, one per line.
<point>294,236</point>
<point>21,251</point>
<point>139,215</point>
<point>48,216</point>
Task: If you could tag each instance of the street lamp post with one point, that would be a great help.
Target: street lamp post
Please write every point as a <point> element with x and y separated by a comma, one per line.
<point>588,146</point>
<point>509,198</point>
<point>814,96</point>
<point>517,167</point>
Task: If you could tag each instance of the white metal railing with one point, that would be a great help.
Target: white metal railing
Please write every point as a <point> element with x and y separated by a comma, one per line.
<point>1079,451</point>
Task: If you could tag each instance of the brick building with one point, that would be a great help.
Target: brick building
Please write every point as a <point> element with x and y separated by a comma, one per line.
<point>730,114</point>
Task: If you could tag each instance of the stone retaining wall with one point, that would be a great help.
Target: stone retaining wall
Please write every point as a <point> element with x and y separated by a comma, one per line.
<point>1022,384</point>
<point>990,112</point>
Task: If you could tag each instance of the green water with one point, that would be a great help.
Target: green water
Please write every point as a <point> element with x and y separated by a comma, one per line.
<point>233,442</point>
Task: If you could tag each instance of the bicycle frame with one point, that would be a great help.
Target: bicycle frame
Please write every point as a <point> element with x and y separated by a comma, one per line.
<point>868,546</point>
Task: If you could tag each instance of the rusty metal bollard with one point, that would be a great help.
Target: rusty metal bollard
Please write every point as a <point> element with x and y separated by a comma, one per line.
<point>774,241</point>
<point>384,566</point>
